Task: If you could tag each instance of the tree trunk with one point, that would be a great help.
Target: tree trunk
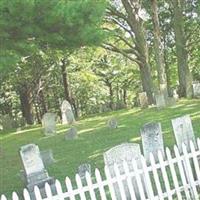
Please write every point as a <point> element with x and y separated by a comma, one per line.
<point>124,97</point>
<point>26,105</point>
<point>184,75</point>
<point>111,96</point>
<point>65,81</point>
<point>158,47</point>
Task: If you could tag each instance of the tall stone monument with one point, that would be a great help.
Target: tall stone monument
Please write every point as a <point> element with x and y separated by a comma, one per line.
<point>143,99</point>
<point>183,131</point>
<point>67,113</point>
<point>124,152</point>
<point>34,170</point>
<point>49,123</point>
<point>196,90</point>
<point>152,140</point>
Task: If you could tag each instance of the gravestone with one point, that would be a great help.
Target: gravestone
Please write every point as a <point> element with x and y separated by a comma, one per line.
<point>196,90</point>
<point>152,140</point>
<point>143,99</point>
<point>175,95</point>
<point>47,157</point>
<point>49,124</point>
<point>183,131</point>
<point>34,170</point>
<point>8,122</point>
<point>82,169</point>
<point>67,113</point>
<point>160,100</point>
<point>124,152</point>
<point>112,123</point>
<point>71,134</point>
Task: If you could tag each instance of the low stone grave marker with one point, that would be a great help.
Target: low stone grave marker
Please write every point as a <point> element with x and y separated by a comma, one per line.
<point>152,140</point>
<point>47,157</point>
<point>160,100</point>
<point>8,122</point>
<point>112,123</point>
<point>183,131</point>
<point>67,113</point>
<point>49,124</point>
<point>82,169</point>
<point>71,134</point>
<point>34,170</point>
<point>196,90</point>
<point>124,152</point>
<point>143,99</point>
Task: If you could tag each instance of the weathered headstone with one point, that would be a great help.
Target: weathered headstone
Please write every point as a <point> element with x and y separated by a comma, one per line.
<point>49,124</point>
<point>160,100</point>
<point>183,131</point>
<point>175,95</point>
<point>143,99</point>
<point>8,122</point>
<point>67,113</point>
<point>82,169</point>
<point>196,90</point>
<point>124,152</point>
<point>47,157</point>
<point>112,123</point>
<point>35,172</point>
<point>152,140</point>
<point>71,134</point>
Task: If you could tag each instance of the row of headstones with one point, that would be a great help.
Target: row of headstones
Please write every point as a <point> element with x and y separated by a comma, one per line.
<point>35,163</point>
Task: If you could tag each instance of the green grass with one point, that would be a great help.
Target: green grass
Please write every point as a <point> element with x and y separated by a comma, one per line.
<point>94,138</point>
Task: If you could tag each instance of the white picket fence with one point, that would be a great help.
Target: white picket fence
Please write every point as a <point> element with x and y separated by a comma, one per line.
<point>172,177</point>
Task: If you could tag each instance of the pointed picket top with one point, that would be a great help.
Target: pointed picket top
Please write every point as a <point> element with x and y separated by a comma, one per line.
<point>3,197</point>
<point>58,187</point>
<point>69,187</point>
<point>26,194</point>
<point>99,182</point>
<point>37,193</point>
<point>48,191</point>
<point>90,185</point>
<point>15,196</point>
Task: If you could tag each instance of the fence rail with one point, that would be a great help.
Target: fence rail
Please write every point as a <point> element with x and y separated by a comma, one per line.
<point>174,176</point>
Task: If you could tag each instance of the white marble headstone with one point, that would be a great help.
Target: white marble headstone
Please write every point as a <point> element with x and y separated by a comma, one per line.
<point>49,123</point>
<point>124,152</point>
<point>160,100</point>
<point>143,99</point>
<point>152,140</point>
<point>183,131</point>
<point>196,90</point>
<point>67,113</point>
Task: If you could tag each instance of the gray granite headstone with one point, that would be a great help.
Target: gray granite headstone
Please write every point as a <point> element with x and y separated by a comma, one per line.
<point>47,157</point>
<point>49,124</point>
<point>143,99</point>
<point>152,140</point>
<point>71,134</point>
<point>112,123</point>
<point>67,113</point>
<point>124,152</point>
<point>34,170</point>
<point>183,131</point>
<point>82,169</point>
<point>160,100</point>
<point>196,90</point>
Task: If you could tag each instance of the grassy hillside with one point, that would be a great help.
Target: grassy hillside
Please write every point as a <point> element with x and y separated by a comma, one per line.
<point>94,138</point>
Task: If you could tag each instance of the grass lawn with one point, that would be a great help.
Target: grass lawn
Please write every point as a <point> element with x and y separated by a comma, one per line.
<point>94,138</point>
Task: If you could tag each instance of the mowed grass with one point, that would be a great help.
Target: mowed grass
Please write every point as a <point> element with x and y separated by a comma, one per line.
<point>94,138</point>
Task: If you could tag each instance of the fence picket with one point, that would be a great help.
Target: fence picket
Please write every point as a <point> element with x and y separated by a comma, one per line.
<point>80,187</point>
<point>69,188</point>
<point>164,173</point>
<point>147,179</point>
<point>89,183</point>
<point>3,197</point>
<point>26,194</point>
<point>138,179</point>
<point>37,193</point>
<point>189,171</point>
<point>156,177</point>
<point>15,196</point>
<point>48,191</point>
<point>100,184</point>
<point>110,183</point>
<point>129,180</point>
<point>182,173</point>
<point>173,172</point>
<point>59,190</point>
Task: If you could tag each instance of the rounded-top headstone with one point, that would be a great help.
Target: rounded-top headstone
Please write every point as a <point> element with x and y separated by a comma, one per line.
<point>67,113</point>
<point>112,123</point>
<point>49,123</point>
<point>71,134</point>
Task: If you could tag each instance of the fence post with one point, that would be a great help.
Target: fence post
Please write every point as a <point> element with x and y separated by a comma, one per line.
<point>37,193</point>
<point>59,190</point>
<point>80,187</point>
<point>89,183</point>
<point>26,195</point>
<point>3,197</point>
<point>69,188</point>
